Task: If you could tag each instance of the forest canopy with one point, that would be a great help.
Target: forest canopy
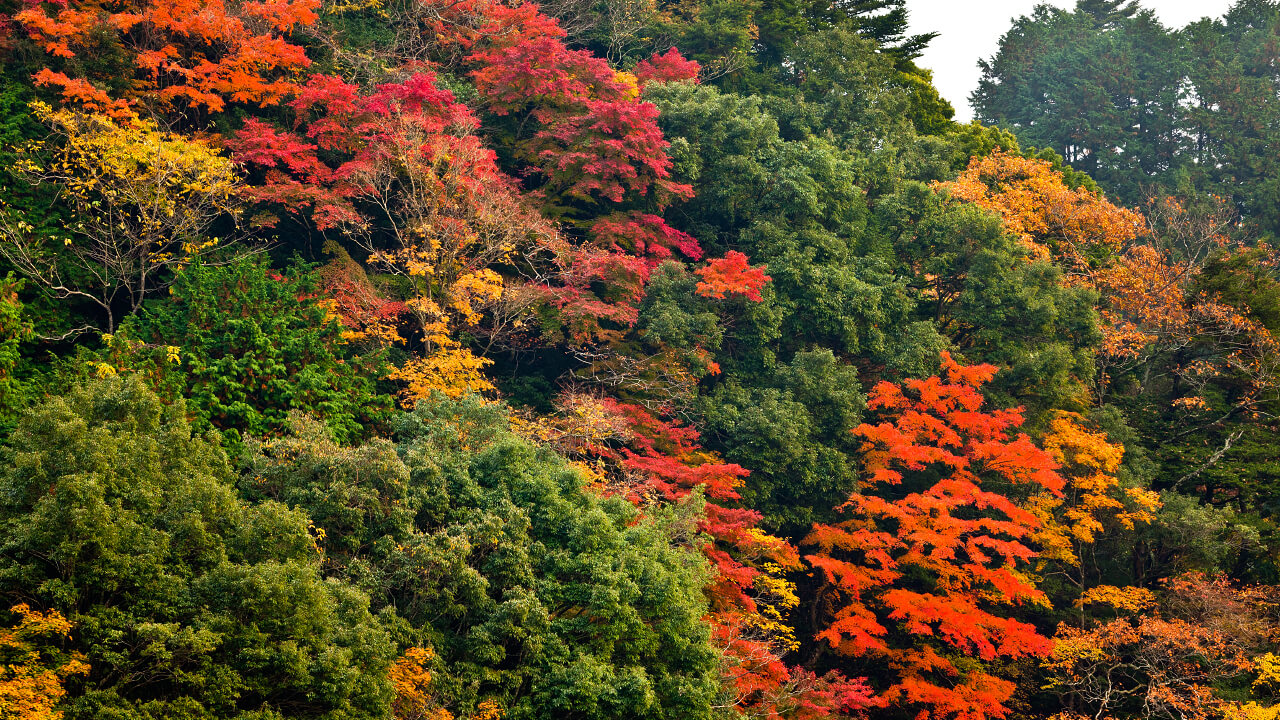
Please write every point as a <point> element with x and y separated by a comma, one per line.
<point>500,360</point>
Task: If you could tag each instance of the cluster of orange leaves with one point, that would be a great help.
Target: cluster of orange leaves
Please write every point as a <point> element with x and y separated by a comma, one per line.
<point>31,672</point>
<point>1077,228</point>
<point>411,680</point>
<point>1092,495</point>
<point>198,54</point>
<point>1163,660</point>
<point>927,512</point>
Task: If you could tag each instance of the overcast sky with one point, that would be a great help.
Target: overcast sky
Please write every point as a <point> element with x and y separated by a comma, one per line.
<point>971,29</point>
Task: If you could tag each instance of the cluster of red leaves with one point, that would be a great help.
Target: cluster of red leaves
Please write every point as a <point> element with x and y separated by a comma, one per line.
<point>593,142</point>
<point>408,121</point>
<point>197,54</point>
<point>594,139</point>
<point>926,512</point>
<point>668,67</point>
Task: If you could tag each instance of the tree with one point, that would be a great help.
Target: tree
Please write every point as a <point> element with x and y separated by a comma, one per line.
<point>1166,659</point>
<point>1078,229</point>
<point>1232,73</point>
<point>32,670</point>
<point>925,572</point>
<point>245,346</point>
<point>404,177</point>
<point>142,201</point>
<point>536,593</point>
<point>1095,506</point>
<point>1103,86</point>
<point>185,599</point>
<point>168,55</point>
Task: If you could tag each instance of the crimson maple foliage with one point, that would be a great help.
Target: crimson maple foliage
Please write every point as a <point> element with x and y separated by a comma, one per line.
<point>668,67</point>
<point>357,132</point>
<point>923,573</point>
<point>593,138</point>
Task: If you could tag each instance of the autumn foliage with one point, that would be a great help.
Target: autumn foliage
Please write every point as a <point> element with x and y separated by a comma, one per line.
<point>924,573</point>
<point>630,474</point>
<point>32,670</point>
<point>179,55</point>
<point>1168,659</point>
<point>1092,500</point>
<point>1077,228</point>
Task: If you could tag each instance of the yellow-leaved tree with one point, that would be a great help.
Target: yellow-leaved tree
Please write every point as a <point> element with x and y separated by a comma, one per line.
<point>141,202</point>
<point>1093,501</point>
<point>31,669</point>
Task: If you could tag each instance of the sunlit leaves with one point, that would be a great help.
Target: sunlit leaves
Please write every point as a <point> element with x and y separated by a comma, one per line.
<point>32,668</point>
<point>934,507</point>
<point>182,54</point>
<point>1168,661</point>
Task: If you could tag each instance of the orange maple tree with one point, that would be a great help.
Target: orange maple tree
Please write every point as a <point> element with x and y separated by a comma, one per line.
<point>180,54</point>
<point>1167,659</point>
<point>1077,228</point>
<point>922,576</point>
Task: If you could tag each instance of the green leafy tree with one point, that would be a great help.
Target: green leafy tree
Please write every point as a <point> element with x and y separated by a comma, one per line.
<point>186,602</point>
<point>835,310</point>
<point>980,288</point>
<point>1234,120</point>
<point>245,345</point>
<point>535,593</point>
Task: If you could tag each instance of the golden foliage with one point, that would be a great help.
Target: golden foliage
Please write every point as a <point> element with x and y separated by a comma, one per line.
<point>1126,599</point>
<point>142,199</point>
<point>1092,494</point>
<point>412,682</point>
<point>451,369</point>
<point>30,678</point>
<point>1268,669</point>
<point>1250,710</point>
<point>1076,228</point>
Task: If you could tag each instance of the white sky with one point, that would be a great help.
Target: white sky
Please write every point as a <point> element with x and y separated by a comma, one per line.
<point>971,30</point>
